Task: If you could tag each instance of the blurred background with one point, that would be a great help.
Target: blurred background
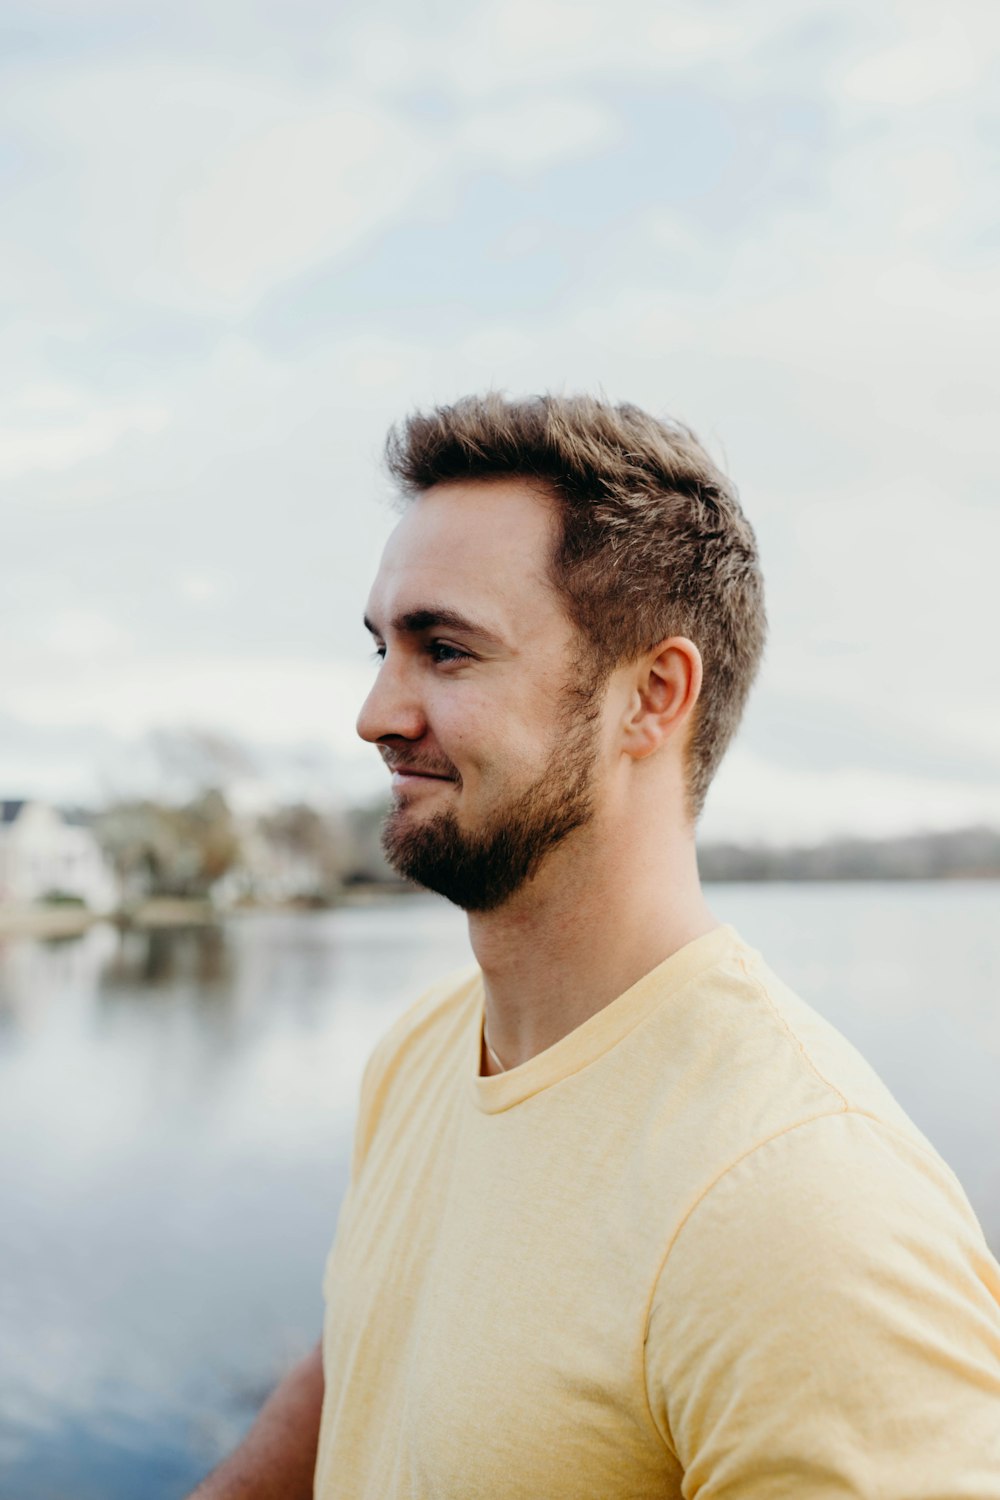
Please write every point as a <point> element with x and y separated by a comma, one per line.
<point>239,240</point>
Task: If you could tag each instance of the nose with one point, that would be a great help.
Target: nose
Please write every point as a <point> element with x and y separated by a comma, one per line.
<point>392,709</point>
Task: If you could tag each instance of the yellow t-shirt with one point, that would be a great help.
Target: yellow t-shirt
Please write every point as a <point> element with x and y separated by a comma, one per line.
<point>695,1248</point>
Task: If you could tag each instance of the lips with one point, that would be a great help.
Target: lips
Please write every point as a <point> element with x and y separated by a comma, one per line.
<point>426,773</point>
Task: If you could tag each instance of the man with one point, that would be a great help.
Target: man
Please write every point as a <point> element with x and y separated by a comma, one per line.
<point>626,1218</point>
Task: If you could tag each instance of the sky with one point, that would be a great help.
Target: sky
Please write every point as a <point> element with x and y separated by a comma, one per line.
<point>240,239</point>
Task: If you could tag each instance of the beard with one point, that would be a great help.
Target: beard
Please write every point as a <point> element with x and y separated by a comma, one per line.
<point>481,869</point>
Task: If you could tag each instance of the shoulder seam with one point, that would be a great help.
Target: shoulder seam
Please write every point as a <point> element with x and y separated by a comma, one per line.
<point>793,1037</point>
<point>825,1114</point>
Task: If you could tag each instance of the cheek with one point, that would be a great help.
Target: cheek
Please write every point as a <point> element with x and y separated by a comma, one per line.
<point>461,725</point>
<point>482,744</point>
<point>490,733</point>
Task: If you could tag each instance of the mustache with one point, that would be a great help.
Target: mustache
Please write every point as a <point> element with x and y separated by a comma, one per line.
<point>396,760</point>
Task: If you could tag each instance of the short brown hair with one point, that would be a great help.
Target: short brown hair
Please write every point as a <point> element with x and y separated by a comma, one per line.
<point>654,542</point>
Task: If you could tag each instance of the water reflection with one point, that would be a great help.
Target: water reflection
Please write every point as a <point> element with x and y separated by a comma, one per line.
<point>175,1114</point>
<point>175,1117</point>
<point>33,973</point>
<point>200,955</point>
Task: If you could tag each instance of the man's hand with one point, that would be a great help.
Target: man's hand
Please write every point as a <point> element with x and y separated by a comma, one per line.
<point>277,1458</point>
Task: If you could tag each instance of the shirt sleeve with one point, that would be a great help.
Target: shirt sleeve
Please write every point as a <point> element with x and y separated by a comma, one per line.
<point>827,1323</point>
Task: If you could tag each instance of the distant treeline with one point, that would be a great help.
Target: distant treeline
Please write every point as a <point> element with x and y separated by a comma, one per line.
<point>965,853</point>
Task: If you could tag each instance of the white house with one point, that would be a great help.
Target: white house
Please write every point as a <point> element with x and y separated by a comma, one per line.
<point>44,851</point>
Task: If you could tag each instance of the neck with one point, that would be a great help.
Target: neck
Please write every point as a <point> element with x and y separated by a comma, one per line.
<point>582,932</point>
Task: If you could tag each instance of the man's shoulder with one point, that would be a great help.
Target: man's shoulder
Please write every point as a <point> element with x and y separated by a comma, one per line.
<point>792,1054</point>
<point>737,1060</point>
<point>838,1184</point>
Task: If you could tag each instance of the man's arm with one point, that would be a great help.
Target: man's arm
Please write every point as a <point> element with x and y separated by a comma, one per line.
<point>277,1458</point>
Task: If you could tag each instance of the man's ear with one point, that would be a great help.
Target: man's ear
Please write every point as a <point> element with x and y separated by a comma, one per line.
<point>666,684</point>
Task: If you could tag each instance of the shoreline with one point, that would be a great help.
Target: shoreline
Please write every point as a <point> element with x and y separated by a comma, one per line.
<point>39,921</point>
<point>73,921</point>
<point>28,921</point>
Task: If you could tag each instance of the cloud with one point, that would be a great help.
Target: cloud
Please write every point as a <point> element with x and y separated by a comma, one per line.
<point>54,429</point>
<point>938,57</point>
<point>278,700</point>
<point>533,134</point>
<point>292,193</point>
<point>201,188</point>
<point>203,585</point>
<point>503,45</point>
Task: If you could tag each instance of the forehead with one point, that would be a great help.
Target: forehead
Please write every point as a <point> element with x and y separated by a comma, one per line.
<point>482,545</point>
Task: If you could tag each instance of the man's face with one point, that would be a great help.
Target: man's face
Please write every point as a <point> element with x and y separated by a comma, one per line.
<point>481,710</point>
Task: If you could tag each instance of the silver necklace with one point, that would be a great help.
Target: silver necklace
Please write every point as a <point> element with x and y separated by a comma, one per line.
<point>486,1043</point>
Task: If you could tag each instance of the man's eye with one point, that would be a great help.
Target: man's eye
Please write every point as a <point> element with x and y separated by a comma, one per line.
<point>378,654</point>
<point>442,651</point>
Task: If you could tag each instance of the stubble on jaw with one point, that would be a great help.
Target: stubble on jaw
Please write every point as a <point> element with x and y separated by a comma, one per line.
<point>482,868</point>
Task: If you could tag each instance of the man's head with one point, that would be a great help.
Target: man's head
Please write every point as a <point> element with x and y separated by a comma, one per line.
<point>651,542</point>
<point>547,543</point>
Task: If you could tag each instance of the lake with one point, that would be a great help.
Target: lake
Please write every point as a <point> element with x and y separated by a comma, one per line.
<point>175,1119</point>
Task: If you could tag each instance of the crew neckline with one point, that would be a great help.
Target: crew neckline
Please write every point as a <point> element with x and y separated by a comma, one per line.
<point>599,1033</point>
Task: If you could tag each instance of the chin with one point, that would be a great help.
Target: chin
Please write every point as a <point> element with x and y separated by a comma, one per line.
<point>409,805</point>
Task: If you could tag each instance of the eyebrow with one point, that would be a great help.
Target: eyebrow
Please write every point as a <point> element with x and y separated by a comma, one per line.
<point>416,621</point>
